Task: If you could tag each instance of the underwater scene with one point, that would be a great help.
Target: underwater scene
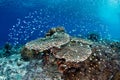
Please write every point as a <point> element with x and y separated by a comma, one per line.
<point>59,39</point>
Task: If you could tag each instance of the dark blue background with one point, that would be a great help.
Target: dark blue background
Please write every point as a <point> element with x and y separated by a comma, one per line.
<point>72,12</point>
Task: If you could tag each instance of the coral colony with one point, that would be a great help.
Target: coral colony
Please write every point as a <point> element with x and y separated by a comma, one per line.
<point>74,58</point>
<point>59,56</point>
<point>62,42</point>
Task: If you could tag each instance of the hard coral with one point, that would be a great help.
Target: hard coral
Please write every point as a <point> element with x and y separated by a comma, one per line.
<point>27,54</point>
<point>115,46</point>
<point>40,45</point>
<point>70,55</point>
<point>74,52</point>
<point>93,36</point>
<point>75,58</point>
<point>54,30</point>
<point>117,76</point>
<point>83,41</point>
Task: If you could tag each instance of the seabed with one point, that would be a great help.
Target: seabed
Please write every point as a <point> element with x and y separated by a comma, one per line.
<point>59,56</point>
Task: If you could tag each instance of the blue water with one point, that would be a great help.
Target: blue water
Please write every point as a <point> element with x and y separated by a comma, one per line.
<point>79,17</point>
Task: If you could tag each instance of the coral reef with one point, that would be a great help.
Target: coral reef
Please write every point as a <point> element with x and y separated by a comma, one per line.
<point>36,47</point>
<point>74,52</point>
<point>8,50</point>
<point>36,71</point>
<point>12,67</point>
<point>75,58</point>
<point>117,76</point>
<point>93,36</point>
<point>7,47</point>
<point>61,57</point>
<point>54,30</point>
<point>99,66</point>
<point>115,46</point>
<point>80,40</point>
<point>57,40</point>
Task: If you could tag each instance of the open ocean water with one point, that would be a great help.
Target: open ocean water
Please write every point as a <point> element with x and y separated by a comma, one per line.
<point>78,17</point>
<point>24,20</point>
